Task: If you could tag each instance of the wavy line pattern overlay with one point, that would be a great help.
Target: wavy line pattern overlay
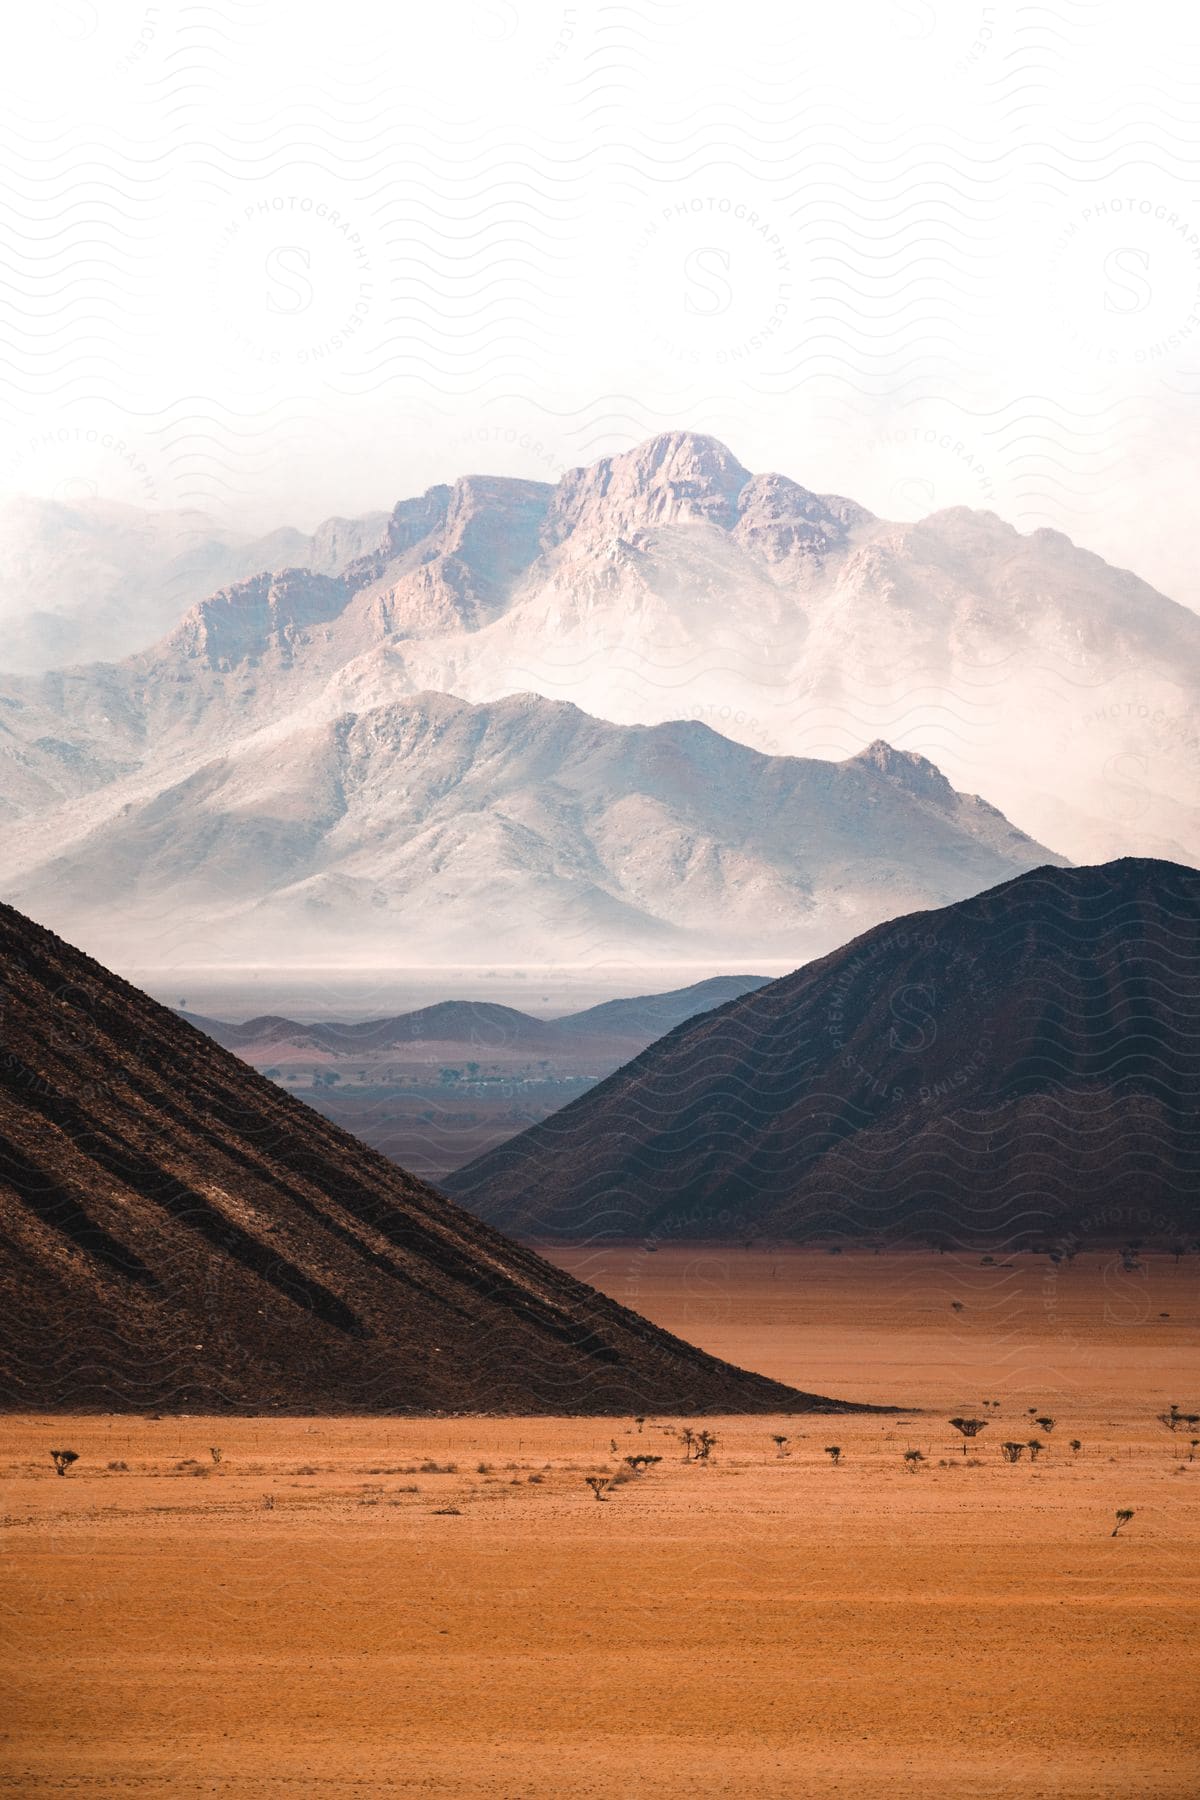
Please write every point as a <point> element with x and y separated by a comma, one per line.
<point>925,254</point>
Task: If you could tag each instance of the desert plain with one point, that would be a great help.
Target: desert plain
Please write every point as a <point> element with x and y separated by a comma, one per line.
<point>441,1607</point>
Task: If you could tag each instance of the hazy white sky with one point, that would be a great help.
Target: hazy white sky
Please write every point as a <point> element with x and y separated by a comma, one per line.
<point>280,260</point>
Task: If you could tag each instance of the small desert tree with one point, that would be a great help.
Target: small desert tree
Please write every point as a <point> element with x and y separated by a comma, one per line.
<point>639,1421</point>
<point>1034,1446</point>
<point>969,1427</point>
<point>705,1444</point>
<point>598,1483</point>
<point>689,1442</point>
<point>1046,1424</point>
<point>1011,1452</point>
<point>62,1460</point>
<point>1076,1446</point>
<point>1123,1518</point>
<point>214,1452</point>
<point>834,1453</point>
<point>780,1442</point>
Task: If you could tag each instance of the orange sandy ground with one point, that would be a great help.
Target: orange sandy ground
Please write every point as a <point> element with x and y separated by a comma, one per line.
<point>760,1627</point>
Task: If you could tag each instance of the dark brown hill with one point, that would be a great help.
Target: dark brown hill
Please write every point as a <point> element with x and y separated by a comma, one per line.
<point>1024,1061</point>
<point>175,1231</point>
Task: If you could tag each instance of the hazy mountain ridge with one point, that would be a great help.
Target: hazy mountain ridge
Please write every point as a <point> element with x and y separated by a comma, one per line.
<point>483,1024</point>
<point>665,582</point>
<point>98,579</point>
<point>236,779</point>
<point>290,641</point>
<point>413,823</point>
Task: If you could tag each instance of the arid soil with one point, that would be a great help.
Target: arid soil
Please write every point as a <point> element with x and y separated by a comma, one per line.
<point>318,1614</point>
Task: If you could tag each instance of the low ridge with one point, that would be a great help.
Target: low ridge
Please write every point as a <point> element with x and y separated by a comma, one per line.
<point>483,1023</point>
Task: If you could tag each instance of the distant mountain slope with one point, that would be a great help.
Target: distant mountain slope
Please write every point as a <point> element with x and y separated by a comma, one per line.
<point>1024,1061</point>
<point>483,1025</point>
<point>97,579</point>
<point>654,1014</point>
<point>175,1231</point>
<point>451,1022</point>
<point>418,824</point>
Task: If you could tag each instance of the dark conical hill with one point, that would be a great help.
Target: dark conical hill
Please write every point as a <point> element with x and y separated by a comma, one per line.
<point>1024,1061</point>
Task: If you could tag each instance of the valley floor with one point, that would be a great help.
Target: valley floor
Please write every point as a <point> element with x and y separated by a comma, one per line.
<point>320,1614</point>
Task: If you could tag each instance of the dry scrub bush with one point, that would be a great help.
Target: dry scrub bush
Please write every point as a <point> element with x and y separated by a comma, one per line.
<point>969,1428</point>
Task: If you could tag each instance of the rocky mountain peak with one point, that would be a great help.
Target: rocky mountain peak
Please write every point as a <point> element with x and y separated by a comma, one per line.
<point>679,477</point>
<point>907,769</point>
<point>778,520</point>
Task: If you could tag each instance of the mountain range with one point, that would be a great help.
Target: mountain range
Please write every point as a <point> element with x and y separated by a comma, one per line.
<point>394,834</point>
<point>665,583</point>
<point>478,1027</point>
<point>1019,1064</point>
<point>177,1232</point>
